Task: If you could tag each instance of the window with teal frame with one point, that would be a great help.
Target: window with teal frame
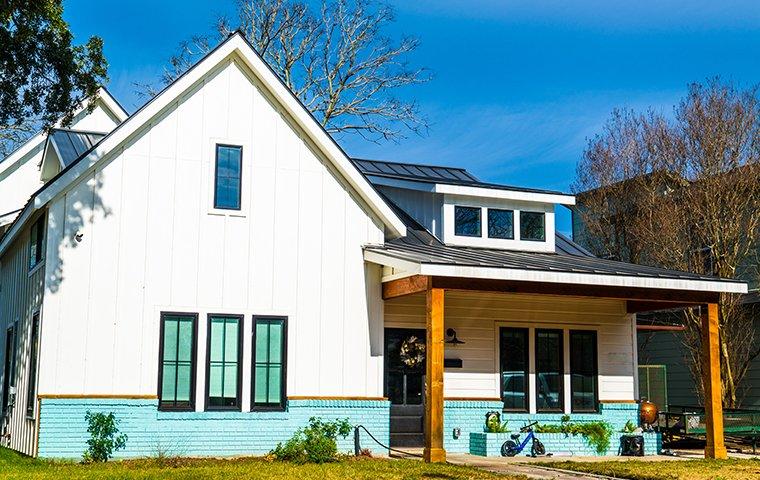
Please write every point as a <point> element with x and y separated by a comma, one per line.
<point>224,362</point>
<point>269,363</point>
<point>176,372</point>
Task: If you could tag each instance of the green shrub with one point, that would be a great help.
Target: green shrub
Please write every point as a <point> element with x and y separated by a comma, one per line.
<point>315,443</point>
<point>597,433</point>
<point>104,437</point>
<point>629,427</point>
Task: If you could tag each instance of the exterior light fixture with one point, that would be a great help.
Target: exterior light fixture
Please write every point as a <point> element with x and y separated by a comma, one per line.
<point>453,340</point>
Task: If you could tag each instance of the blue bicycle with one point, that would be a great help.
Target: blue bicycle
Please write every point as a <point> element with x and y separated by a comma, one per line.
<point>510,448</point>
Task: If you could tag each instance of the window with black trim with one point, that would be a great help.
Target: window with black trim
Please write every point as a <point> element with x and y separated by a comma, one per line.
<point>224,365</point>
<point>466,221</point>
<point>176,369</point>
<point>227,177</point>
<point>501,223</point>
<point>549,371</point>
<point>513,353</point>
<point>270,338</point>
<point>37,242</point>
<point>9,368</point>
<point>583,371</point>
<point>31,386</point>
<point>533,226</point>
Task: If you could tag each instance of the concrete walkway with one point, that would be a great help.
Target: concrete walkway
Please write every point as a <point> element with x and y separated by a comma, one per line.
<point>509,467</point>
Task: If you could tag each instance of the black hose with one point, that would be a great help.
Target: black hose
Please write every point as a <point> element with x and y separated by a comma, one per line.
<point>379,443</point>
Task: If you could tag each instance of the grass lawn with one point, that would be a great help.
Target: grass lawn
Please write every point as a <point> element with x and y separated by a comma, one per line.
<point>670,470</point>
<point>14,466</point>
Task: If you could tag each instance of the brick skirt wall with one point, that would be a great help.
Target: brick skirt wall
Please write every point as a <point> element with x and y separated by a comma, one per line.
<point>63,430</point>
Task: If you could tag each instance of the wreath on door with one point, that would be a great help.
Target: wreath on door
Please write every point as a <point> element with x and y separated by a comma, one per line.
<point>412,352</point>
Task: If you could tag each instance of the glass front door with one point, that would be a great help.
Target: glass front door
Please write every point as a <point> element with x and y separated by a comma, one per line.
<point>405,384</point>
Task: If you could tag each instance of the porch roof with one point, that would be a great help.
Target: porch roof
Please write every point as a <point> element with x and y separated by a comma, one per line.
<point>410,257</point>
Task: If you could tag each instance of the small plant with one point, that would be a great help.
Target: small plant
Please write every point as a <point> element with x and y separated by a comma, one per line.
<point>629,427</point>
<point>597,434</point>
<point>315,443</point>
<point>495,425</point>
<point>104,437</point>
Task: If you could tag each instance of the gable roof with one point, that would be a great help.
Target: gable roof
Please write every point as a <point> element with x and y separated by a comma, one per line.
<point>238,47</point>
<point>453,180</point>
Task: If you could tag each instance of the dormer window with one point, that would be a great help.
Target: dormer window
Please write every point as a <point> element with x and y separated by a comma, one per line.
<point>467,221</point>
<point>532,226</point>
<point>501,223</point>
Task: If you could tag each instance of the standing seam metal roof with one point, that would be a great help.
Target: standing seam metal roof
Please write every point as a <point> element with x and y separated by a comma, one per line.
<point>71,144</point>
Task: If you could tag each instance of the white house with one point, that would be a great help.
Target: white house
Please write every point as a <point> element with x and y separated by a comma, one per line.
<point>215,270</point>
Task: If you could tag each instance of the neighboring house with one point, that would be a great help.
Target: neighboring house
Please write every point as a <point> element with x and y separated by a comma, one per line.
<point>661,352</point>
<point>215,270</point>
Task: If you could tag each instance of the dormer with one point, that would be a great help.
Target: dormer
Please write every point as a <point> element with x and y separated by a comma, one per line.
<point>458,209</point>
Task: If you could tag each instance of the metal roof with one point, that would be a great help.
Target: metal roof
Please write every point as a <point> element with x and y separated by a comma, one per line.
<point>71,144</point>
<point>438,254</point>
<point>417,172</point>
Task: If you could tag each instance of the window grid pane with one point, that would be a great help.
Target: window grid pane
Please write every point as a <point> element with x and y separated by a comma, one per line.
<point>269,362</point>
<point>223,362</point>
<point>466,221</point>
<point>532,226</point>
<point>549,371</point>
<point>514,368</point>
<point>501,224</point>
<point>583,371</point>
<point>177,361</point>
<point>228,174</point>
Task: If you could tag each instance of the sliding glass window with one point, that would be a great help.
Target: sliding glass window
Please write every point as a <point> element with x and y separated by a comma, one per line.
<point>269,361</point>
<point>583,370</point>
<point>549,371</point>
<point>513,352</point>
<point>176,370</point>
<point>223,373</point>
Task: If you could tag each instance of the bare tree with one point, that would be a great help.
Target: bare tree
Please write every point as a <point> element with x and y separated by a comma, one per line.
<point>335,60</point>
<point>684,194</point>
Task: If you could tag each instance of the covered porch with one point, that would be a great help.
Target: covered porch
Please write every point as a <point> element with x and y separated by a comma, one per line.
<point>549,311</point>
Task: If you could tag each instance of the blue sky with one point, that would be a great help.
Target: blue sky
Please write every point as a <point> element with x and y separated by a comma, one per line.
<point>519,86</point>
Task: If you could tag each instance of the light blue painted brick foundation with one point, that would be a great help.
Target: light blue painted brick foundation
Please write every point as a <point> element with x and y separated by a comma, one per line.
<point>469,417</point>
<point>63,431</point>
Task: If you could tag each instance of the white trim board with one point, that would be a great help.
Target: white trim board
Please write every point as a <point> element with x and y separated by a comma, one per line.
<point>524,275</point>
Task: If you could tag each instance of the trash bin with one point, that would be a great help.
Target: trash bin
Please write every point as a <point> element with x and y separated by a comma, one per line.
<point>632,445</point>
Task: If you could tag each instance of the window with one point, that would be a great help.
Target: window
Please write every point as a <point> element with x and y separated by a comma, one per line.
<point>466,221</point>
<point>532,226</point>
<point>224,362</point>
<point>229,163</point>
<point>549,371</point>
<point>176,369</point>
<point>31,386</point>
<point>37,242</point>
<point>583,370</point>
<point>501,223</point>
<point>513,350</point>
<point>269,359</point>
<point>9,368</point>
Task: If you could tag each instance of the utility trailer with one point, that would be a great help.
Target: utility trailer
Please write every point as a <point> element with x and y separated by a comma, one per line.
<point>681,421</point>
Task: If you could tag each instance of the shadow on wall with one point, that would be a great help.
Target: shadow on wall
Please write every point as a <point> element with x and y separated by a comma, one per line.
<point>70,224</point>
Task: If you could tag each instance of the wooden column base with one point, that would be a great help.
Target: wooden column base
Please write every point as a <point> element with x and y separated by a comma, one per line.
<point>434,455</point>
<point>719,453</point>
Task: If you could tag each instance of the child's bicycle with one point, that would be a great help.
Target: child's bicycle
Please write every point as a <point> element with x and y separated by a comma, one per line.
<point>510,448</point>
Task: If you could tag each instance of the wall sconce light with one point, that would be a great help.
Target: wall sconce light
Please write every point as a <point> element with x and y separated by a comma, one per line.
<point>456,433</point>
<point>452,340</point>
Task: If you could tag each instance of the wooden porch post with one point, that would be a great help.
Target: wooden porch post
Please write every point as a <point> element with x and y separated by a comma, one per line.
<point>434,451</point>
<point>715,447</point>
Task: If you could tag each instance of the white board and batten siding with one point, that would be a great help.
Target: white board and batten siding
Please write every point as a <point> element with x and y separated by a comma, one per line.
<point>476,317</point>
<point>151,241</point>
<point>21,296</point>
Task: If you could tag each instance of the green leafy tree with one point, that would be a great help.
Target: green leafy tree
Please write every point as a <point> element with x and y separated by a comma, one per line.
<point>43,75</point>
<point>104,437</point>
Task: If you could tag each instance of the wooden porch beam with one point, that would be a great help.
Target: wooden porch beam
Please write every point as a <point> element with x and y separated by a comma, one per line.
<point>434,451</point>
<point>405,286</point>
<point>715,447</point>
<point>600,291</point>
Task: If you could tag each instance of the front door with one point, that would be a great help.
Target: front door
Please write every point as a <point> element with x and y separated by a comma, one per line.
<point>405,384</point>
